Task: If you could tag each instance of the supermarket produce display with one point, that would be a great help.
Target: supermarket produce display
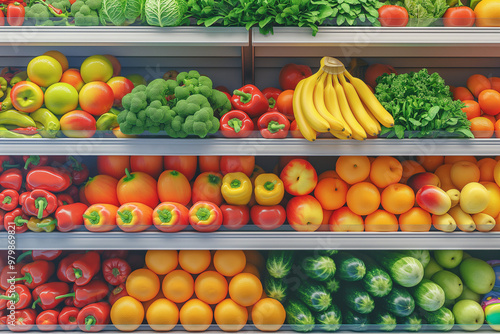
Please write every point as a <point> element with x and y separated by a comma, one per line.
<point>322,290</point>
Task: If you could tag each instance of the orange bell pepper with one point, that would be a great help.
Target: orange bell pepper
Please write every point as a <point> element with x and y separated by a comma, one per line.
<point>170,217</point>
<point>100,217</point>
<point>134,217</point>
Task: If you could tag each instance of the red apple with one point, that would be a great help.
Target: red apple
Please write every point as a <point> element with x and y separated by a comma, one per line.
<point>304,213</point>
<point>291,74</point>
<point>96,98</point>
<point>26,96</point>
<point>374,71</point>
<point>72,76</point>
<point>299,177</point>
<point>78,124</point>
<point>433,200</point>
<point>233,164</point>
<point>344,220</point>
<point>417,181</point>
<point>121,86</point>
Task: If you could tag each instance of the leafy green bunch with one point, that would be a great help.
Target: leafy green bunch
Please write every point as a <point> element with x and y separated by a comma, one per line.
<point>422,106</point>
<point>352,12</point>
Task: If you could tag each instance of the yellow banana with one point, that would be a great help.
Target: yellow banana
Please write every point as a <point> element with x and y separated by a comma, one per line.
<point>319,104</point>
<point>315,120</point>
<point>357,130</point>
<point>357,107</point>
<point>332,104</point>
<point>376,108</point>
<point>304,128</point>
<point>379,128</point>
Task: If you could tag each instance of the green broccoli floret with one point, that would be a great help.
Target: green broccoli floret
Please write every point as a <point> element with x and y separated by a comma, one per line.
<point>94,4</point>
<point>92,19</point>
<point>219,102</point>
<point>129,123</point>
<point>135,101</point>
<point>200,124</point>
<point>63,5</point>
<point>75,7</point>
<point>174,129</point>
<point>85,10</point>
<point>157,90</point>
<point>182,92</point>
<point>39,14</point>
<point>191,105</point>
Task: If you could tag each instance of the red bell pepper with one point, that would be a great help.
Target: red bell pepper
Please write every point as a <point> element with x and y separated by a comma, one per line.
<point>73,191</point>
<point>9,199</point>
<point>8,274</point>
<point>100,217</point>
<point>134,217</point>
<point>36,273</point>
<point>16,220</point>
<point>47,255</point>
<point>45,294</point>
<point>87,294</point>
<point>83,269</point>
<point>20,296</point>
<point>64,199</point>
<point>46,321</point>
<point>67,318</point>
<point>24,320</point>
<point>268,217</point>
<point>111,254</point>
<point>64,265</point>
<point>15,14</point>
<point>23,196</point>
<point>115,271</point>
<point>3,319</point>
<point>117,293</point>
<point>68,217</point>
<point>47,178</point>
<point>271,95</point>
<point>250,100</point>
<point>7,162</point>
<point>79,171</point>
<point>11,179</point>
<point>236,124</point>
<point>205,216</point>
<point>94,317</point>
<point>32,161</point>
<point>40,203</point>
<point>3,303</point>
<point>274,125</point>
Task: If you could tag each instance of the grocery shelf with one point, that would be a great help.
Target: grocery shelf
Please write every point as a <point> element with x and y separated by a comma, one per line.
<point>249,146</point>
<point>256,240</point>
<point>124,36</point>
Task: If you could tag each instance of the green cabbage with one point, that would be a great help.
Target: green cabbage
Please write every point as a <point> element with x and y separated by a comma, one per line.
<point>120,12</point>
<point>165,13</point>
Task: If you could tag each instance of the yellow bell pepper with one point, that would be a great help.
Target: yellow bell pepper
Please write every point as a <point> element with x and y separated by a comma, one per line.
<point>269,189</point>
<point>236,188</point>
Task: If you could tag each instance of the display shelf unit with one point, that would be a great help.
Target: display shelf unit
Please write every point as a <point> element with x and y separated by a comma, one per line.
<point>258,240</point>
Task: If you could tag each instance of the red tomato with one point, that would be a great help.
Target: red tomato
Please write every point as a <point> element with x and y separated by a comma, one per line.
<point>149,164</point>
<point>285,104</point>
<point>209,163</point>
<point>101,189</point>
<point>232,164</point>
<point>113,165</point>
<point>173,186</point>
<point>207,187</point>
<point>268,217</point>
<point>78,124</point>
<point>291,74</point>
<point>137,187</point>
<point>184,164</point>
<point>235,216</point>
<point>462,16</point>
<point>392,16</point>
<point>374,71</point>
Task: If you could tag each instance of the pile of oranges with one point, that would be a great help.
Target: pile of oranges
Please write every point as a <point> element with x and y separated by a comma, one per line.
<point>196,287</point>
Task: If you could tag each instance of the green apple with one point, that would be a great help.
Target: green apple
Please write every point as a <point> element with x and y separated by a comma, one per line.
<point>44,71</point>
<point>137,79</point>
<point>96,68</point>
<point>448,258</point>
<point>478,275</point>
<point>449,282</point>
<point>431,268</point>
<point>469,294</point>
<point>61,98</point>
<point>469,315</point>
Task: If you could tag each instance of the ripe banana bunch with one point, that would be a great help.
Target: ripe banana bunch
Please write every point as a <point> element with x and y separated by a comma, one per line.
<point>327,102</point>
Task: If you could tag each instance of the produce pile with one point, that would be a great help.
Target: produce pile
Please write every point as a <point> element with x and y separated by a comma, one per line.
<point>323,290</point>
<point>209,193</point>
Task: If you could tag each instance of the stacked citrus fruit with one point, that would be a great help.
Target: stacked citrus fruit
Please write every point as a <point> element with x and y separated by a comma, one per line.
<point>196,287</point>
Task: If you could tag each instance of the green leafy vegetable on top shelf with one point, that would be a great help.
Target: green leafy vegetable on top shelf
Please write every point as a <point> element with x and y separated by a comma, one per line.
<point>120,12</point>
<point>354,12</point>
<point>165,13</point>
<point>181,107</point>
<point>423,13</point>
<point>422,106</point>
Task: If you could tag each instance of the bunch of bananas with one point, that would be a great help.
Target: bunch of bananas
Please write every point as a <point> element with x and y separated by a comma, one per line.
<point>327,102</point>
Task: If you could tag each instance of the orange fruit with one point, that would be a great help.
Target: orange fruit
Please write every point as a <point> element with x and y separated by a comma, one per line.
<point>486,167</point>
<point>381,221</point>
<point>397,198</point>
<point>493,208</point>
<point>471,109</point>
<point>462,94</point>
<point>431,163</point>
<point>344,220</point>
<point>127,314</point>
<point>415,220</point>
<point>245,289</point>
<point>196,316</point>
<point>328,174</point>
<point>161,262</point>
<point>143,284</point>
<point>268,315</point>
<point>385,171</point>
<point>162,315</point>
<point>451,159</point>
<point>210,287</point>
<point>410,167</point>
<point>464,172</point>
<point>363,198</point>
<point>497,225</point>
<point>151,301</point>
<point>497,128</point>
<point>489,101</point>
<point>251,269</point>
<point>255,257</point>
<point>482,127</point>
<point>178,286</point>
<point>61,58</point>
<point>331,193</point>
<point>443,173</point>
<point>477,83</point>
<point>194,261</point>
<point>229,316</point>
<point>353,169</point>
<point>229,262</point>
<point>326,218</point>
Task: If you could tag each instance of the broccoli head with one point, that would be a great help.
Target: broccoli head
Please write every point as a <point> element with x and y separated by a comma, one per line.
<point>85,12</point>
<point>129,123</point>
<point>195,116</point>
<point>157,116</point>
<point>63,5</point>
<point>136,100</point>
<point>157,90</point>
<point>220,103</point>
<point>38,14</point>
